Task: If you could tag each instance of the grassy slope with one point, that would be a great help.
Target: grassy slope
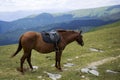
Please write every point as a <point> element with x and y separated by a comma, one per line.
<point>106,39</point>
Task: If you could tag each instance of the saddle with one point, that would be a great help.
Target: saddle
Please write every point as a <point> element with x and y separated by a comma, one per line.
<point>52,37</point>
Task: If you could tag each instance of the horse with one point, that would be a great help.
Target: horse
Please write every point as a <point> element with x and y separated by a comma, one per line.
<point>33,40</point>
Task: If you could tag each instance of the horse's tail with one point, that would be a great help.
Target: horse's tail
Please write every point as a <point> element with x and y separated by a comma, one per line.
<point>18,49</point>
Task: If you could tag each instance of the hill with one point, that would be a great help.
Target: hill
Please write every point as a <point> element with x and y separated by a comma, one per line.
<point>84,19</point>
<point>12,37</point>
<point>101,45</point>
<point>4,26</point>
<point>105,14</point>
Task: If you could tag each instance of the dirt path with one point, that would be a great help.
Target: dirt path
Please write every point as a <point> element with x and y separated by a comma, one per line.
<point>100,62</point>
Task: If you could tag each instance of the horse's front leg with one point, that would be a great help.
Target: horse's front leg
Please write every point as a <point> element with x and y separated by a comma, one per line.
<point>58,60</point>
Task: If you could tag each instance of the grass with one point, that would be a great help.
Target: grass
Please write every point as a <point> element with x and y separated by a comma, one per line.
<point>106,38</point>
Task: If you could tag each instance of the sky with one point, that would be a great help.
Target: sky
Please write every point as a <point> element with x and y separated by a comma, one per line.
<point>53,5</point>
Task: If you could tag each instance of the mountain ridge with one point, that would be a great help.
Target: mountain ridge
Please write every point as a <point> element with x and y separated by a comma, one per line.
<point>104,13</point>
<point>46,22</point>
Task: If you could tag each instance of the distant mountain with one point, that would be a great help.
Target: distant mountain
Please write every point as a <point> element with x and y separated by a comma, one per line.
<point>109,13</point>
<point>4,26</point>
<point>12,16</point>
<point>84,19</point>
<point>84,25</point>
<point>39,20</point>
<point>12,37</point>
<point>104,13</point>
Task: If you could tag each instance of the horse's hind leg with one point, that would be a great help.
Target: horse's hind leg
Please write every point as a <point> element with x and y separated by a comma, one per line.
<point>22,62</point>
<point>26,55</point>
<point>29,60</point>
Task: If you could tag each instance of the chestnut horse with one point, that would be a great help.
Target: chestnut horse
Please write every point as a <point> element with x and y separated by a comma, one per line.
<point>33,40</point>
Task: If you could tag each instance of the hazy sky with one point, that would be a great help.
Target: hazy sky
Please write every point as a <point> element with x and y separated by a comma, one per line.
<point>60,5</point>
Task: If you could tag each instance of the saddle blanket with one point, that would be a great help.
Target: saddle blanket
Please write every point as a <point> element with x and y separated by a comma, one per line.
<point>51,37</point>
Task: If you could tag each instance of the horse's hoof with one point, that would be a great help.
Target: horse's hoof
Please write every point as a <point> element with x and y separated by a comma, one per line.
<point>18,69</point>
<point>60,69</point>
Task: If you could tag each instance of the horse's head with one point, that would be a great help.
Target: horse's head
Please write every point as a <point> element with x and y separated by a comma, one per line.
<point>79,39</point>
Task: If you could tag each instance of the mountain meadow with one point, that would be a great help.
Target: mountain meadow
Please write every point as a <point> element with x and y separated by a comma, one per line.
<point>98,59</point>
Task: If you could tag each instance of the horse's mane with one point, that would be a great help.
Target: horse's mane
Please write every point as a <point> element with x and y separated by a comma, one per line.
<point>62,30</point>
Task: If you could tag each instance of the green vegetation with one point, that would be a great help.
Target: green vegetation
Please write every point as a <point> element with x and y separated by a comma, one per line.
<point>106,39</point>
<point>104,13</point>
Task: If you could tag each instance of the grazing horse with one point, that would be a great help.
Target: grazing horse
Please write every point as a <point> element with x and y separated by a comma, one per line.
<point>33,40</point>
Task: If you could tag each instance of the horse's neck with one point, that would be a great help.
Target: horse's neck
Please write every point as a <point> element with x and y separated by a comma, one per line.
<point>69,37</point>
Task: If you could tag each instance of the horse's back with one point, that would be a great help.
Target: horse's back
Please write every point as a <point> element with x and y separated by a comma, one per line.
<point>30,35</point>
<point>29,39</point>
<point>33,40</point>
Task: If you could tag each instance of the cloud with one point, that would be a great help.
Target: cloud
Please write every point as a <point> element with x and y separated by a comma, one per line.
<point>16,5</point>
